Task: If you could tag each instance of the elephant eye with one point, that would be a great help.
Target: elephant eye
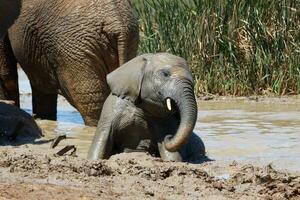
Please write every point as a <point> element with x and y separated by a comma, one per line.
<point>165,73</point>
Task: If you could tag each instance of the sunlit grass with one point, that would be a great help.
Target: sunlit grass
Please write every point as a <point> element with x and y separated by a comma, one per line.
<point>234,47</point>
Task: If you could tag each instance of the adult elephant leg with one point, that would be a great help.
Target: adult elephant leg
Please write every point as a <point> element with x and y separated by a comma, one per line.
<point>86,90</point>
<point>9,89</point>
<point>44,105</point>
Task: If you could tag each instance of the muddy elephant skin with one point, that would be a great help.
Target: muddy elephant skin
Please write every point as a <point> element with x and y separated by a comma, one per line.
<point>69,47</point>
<point>152,108</point>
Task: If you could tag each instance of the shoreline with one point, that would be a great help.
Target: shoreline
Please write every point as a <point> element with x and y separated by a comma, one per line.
<point>291,99</point>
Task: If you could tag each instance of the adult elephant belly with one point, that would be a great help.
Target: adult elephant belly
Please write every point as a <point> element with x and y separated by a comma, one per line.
<point>71,51</point>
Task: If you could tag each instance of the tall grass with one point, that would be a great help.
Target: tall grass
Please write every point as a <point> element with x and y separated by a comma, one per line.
<point>234,47</point>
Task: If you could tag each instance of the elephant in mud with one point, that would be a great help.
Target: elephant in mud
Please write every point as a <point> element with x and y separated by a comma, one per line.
<point>15,123</point>
<point>151,108</point>
<point>68,47</point>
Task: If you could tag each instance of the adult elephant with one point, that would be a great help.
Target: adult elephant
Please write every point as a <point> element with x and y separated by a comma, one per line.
<point>152,108</point>
<point>9,11</point>
<point>69,47</point>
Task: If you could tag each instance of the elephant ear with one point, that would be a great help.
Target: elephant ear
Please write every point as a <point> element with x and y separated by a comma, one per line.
<point>125,82</point>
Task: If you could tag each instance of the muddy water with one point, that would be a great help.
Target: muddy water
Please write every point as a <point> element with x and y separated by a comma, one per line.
<point>251,131</point>
<point>254,132</point>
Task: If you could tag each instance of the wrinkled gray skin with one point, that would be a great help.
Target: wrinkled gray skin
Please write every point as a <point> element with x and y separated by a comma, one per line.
<point>69,47</point>
<point>135,116</point>
<point>15,123</point>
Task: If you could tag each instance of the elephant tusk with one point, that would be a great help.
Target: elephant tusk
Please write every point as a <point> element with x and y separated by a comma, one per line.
<point>169,104</point>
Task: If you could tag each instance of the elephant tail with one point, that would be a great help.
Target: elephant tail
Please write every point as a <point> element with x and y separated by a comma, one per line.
<point>122,48</point>
<point>128,44</point>
<point>127,28</point>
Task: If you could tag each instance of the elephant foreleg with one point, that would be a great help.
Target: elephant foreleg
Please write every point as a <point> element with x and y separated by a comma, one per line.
<point>102,144</point>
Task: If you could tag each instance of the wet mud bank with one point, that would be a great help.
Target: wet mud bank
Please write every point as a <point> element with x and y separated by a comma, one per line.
<point>26,174</point>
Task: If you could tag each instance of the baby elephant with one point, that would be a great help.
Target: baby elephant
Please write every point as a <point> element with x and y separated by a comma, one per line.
<point>151,108</point>
<point>15,122</point>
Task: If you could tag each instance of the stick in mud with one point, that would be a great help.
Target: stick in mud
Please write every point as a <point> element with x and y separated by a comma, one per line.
<point>65,150</point>
<point>56,140</point>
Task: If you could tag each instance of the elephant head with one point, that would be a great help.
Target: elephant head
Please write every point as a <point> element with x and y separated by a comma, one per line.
<point>162,85</point>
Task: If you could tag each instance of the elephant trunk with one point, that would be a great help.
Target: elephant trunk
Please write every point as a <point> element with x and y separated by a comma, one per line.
<point>187,108</point>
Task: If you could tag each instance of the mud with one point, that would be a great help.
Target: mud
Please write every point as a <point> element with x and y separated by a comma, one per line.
<point>26,174</point>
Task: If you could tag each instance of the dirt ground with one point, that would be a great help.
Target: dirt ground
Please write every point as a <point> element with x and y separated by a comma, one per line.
<point>28,174</point>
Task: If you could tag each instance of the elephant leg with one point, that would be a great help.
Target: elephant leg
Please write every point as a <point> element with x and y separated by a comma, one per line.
<point>86,91</point>
<point>102,144</point>
<point>44,105</point>
<point>103,141</point>
<point>9,88</point>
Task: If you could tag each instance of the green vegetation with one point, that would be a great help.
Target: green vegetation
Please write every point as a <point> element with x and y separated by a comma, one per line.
<point>234,47</point>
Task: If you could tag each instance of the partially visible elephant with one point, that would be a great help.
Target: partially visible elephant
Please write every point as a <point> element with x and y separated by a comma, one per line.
<point>152,108</point>
<point>69,47</point>
<point>9,11</point>
<point>15,123</point>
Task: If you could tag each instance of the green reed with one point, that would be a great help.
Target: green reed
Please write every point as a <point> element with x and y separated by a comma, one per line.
<point>234,47</point>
